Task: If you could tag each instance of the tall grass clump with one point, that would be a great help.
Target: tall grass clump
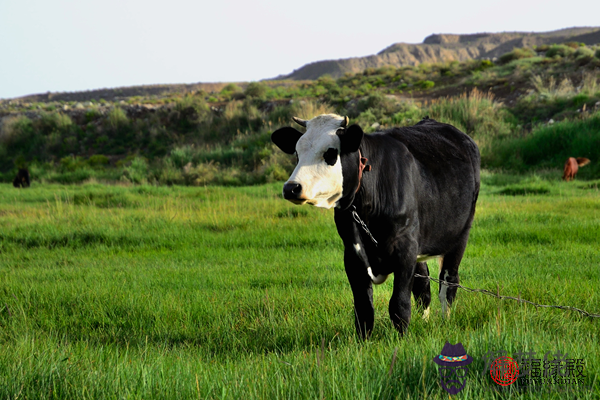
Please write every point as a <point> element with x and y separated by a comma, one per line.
<point>308,109</point>
<point>117,119</point>
<point>476,113</point>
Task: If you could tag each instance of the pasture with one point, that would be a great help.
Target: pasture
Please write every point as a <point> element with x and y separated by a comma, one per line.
<point>127,292</point>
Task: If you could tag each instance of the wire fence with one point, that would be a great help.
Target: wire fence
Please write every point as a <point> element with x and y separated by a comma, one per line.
<point>498,296</point>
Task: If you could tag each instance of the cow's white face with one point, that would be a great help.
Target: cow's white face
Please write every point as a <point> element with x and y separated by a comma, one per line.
<point>319,170</point>
<point>318,178</point>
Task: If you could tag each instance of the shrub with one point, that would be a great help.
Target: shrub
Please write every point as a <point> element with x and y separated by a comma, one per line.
<point>15,129</point>
<point>188,112</point>
<point>231,88</point>
<point>117,118</point>
<point>375,102</point>
<point>168,174</point>
<point>425,84</point>
<point>137,171</point>
<point>256,89</point>
<point>53,121</point>
<point>181,156</point>
<point>409,114</point>
<point>97,161</point>
<point>70,164</point>
<point>560,50</point>
<point>584,55</point>
<point>516,54</point>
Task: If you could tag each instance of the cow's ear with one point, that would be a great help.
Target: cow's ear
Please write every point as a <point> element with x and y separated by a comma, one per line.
<point>350,138</point>
<point>286,139</point>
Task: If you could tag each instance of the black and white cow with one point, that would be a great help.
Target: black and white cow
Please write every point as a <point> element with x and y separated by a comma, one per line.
<point>416,196</point>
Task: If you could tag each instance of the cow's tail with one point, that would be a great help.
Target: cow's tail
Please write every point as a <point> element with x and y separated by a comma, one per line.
<point>581,161</point>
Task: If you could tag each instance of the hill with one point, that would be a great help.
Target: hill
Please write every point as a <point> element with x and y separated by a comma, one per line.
<point>439,48</point>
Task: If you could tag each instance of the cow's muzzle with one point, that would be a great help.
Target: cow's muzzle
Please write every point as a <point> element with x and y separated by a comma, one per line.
<point>292,191</point>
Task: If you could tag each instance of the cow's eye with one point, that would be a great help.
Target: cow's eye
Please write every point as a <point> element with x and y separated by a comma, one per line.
<point>330,156</point>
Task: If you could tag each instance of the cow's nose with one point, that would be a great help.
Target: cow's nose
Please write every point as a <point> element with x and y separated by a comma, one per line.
<point>292,190</point>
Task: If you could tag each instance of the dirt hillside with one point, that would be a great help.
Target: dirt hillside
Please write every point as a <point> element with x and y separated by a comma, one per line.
<point>445,47</point>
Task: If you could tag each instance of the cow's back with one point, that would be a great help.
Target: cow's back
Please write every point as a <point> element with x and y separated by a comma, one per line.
<point>444,164</point>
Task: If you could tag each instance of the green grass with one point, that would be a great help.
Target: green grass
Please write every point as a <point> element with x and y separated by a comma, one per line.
<point>178,292</point>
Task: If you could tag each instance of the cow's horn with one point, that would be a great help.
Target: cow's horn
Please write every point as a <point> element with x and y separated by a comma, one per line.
<point>299,121</point>
<point>345,122</point>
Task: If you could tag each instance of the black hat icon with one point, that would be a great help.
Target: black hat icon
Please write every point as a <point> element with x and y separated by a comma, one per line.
<point>453,355</point>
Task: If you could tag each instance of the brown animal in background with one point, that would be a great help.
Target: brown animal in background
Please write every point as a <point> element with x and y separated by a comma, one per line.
<point>572,166</point>
<point>22,179</point>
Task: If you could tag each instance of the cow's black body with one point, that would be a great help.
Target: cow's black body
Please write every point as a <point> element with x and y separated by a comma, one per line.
<point>418,199</point>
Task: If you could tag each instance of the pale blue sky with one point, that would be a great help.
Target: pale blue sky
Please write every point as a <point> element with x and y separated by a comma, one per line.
<point>66,45</point>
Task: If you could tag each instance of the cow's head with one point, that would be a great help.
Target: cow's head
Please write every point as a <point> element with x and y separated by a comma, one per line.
<point>328,161</point>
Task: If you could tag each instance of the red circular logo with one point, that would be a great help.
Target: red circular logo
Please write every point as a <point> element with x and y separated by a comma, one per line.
<point>504,371</point>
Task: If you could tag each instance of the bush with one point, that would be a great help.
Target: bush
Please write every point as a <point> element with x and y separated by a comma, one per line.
<point>231,88</point>
<point>516,54</point>
<point>560,50</point>
<point>70,164</point>
<point>584,55</point>
<point>97,161</point>
<point>256,90</point>
<point>117,119</point>
<point>425,84</point>
<point>188,112</point>
<point>181,156</point>
<point>375,102</point>
<point>137,171</point>
<point>53,121</point>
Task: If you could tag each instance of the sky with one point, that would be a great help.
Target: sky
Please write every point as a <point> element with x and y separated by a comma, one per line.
<point>66,45</point>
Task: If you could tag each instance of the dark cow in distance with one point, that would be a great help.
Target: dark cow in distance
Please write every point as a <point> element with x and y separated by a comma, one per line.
<point>22,179</point>
<point>572,166</point>
<point>416,198</point>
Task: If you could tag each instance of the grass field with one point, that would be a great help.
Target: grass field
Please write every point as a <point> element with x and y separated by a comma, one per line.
<point>145,292</point>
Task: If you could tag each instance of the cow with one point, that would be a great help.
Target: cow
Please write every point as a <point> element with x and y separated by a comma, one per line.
<point>413,201</point>
<point>22,179</point>
<point>572,166</point>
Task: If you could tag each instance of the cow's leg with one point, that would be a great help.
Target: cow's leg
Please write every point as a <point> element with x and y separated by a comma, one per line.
<point>399,307</point>
<point>360,282</point>
<point>421,289</point>
<point>449,272</point>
